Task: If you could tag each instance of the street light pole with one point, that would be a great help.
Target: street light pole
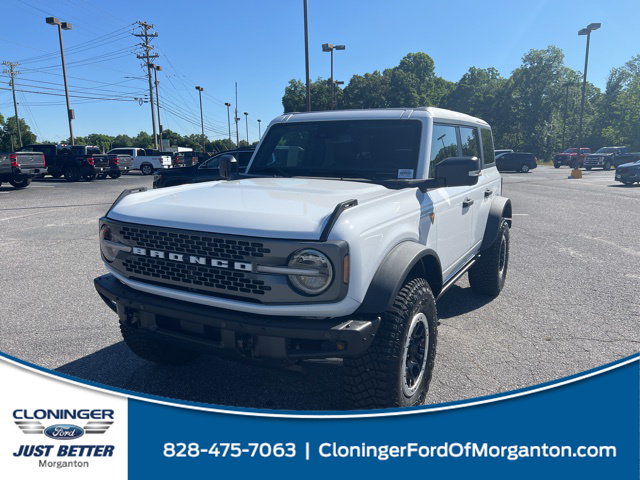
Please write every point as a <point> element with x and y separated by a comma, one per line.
<point>566,106</point>
<point>327,47</point>
<point>64,26</point>
<point>228,105</point>
<point>200,89</point>
<point>576,173</point>
<point>259,131</point>
<point>157,68</point>
<point>246,120</point>
<point>306,56</point>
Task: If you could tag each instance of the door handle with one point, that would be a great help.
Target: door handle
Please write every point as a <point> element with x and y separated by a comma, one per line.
<point>467,202</point>
<point>488,192</point>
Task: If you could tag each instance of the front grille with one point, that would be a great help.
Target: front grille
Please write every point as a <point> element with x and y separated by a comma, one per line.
<point>226,248</point>
<point>196,275</point>
<point>218,265</point>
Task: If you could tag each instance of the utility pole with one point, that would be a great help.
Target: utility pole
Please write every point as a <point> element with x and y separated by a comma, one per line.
<point>228,105</point>
<point>237,118</point>
<point>147,56</point>
<point>13,73</point>
<point>157,68</point>
<point>306,57</point>
<point>200,90</point>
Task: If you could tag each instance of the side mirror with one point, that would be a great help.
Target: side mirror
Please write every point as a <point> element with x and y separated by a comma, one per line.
<point>458,171</point>
<point>228,166</point>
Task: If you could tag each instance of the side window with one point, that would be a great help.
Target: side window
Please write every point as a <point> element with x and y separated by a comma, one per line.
<point>469,141</point>
<point>487,148</point>
<point>141,153</point>
<point>444,144</point>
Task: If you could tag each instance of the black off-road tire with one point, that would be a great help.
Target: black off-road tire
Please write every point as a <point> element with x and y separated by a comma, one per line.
<point>146,169</point>
<point>22,183</point>
<point>89,178</point>
<point>71,173</point>
<point>155,351</point>
<point>114,175</point>
<point>556,165</point>
<point>377,378</point>
<point>488,274</point>
<point>102,176</point>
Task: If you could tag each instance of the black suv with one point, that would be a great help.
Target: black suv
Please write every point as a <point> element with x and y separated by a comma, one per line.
<point>516,162</point>
<point>205,171</point>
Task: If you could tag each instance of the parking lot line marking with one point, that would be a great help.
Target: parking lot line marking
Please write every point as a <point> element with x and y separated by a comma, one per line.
<point>20,216</point>
<point>520,214</point>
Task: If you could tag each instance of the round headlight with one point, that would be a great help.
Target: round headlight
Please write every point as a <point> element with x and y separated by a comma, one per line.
<point>320,271</point>
<point>108,246</point>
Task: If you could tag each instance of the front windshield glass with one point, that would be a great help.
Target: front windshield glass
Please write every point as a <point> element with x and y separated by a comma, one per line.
<point>363,149</point>
<point>571,150</point>
<point>606,150</point>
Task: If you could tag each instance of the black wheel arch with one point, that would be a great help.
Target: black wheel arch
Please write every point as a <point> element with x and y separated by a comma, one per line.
<point>405,260</point>
<point>500,208</point>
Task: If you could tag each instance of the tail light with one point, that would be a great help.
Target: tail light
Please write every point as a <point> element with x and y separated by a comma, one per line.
<point>14,160</point>
<point>44,162</point>
<point>90,161</point>
<point>115,160</point>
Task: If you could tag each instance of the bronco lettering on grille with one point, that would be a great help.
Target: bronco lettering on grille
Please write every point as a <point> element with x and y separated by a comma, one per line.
<point>197,260</point>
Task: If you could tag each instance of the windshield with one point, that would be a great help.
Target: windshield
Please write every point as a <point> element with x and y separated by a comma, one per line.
<point>606,150</point>
<point>571,150</point>
<point>363,149</point>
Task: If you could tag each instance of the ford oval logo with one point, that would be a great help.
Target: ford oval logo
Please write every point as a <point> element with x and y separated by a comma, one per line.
<point>63,432</point>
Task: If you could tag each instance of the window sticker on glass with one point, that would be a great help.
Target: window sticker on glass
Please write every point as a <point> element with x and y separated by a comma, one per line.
<point>405,173</point>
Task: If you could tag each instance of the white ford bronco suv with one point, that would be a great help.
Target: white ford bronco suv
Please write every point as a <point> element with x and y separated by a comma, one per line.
<point>335,243</point>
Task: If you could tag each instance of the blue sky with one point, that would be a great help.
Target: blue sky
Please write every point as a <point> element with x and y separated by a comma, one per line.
<point>260,44</point>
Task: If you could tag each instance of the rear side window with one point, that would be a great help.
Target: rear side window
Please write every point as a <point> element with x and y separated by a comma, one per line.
<point>444,144</point>
<point>488,154</point>
<point>469,142</point>
<point>141,153</point>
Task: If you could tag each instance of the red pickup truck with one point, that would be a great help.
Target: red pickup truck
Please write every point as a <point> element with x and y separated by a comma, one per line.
<point>568,157</point>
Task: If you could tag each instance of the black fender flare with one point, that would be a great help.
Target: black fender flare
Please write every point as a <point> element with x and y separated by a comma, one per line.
<point>399,263</point>
<point>500,208</point>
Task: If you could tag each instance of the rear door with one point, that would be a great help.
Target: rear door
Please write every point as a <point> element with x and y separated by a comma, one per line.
<point>478,142</point>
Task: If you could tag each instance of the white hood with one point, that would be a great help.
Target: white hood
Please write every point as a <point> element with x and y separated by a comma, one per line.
<point>291,208</point>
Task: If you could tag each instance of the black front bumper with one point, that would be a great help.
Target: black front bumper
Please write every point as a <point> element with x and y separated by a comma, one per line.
<point>263,337</point>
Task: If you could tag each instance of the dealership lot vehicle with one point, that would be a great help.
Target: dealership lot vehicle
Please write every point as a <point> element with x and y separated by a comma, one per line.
<point>516,162</point>
<point>19,168</point>
<point>142,161</point>
<point>75,162</point>
<point>568,157</point>
<point>118,165</point>
<point>628,173</point>
<point>205,171</point>
<point>608,157</point>
<point>277,265</point>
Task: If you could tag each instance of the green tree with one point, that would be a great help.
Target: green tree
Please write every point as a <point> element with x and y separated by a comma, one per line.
<point>9,134</point>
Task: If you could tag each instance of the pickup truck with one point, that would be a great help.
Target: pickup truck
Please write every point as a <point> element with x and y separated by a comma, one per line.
<point>142,161</point>
<point>19,168</point>
<point>608,157</point>
<point>568,157</point>
<point>118,165</point>
<point>75,162</point>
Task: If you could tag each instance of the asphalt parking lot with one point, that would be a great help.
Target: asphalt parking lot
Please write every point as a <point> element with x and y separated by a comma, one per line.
<point>571,303</point>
